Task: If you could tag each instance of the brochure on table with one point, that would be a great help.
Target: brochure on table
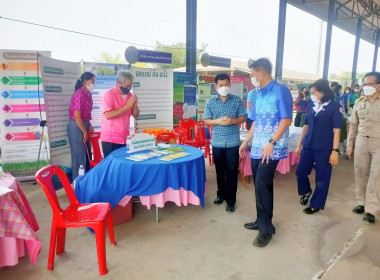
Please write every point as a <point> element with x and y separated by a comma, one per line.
<point>172,153</point>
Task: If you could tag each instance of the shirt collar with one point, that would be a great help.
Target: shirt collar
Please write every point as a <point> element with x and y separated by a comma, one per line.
<point>320,107</point>
<point>268,87</point>
<point>218,97</point>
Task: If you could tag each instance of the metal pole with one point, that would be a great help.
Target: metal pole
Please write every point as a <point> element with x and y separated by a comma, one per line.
<point>320,46</point>
<point>191,36</point>
<point>280,39</point>
<point>356,50</point>
<point>376,50</point>
<point>330,22</point>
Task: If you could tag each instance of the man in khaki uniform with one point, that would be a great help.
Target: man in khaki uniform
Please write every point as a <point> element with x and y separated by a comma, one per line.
<point>363,142</point>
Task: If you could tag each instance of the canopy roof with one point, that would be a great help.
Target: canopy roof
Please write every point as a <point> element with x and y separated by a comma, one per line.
<point>239,68</point>
<point>347,13</point>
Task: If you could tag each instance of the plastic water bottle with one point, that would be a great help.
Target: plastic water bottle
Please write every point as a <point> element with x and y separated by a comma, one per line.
<point>1,172</point>
<point>81,170</point>
<point>80,173</point>
<point>128,143</point>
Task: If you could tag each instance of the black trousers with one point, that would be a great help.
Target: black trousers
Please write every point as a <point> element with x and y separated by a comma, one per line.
<point>299,120</point>
<point>226,166</point>
<point>109,147</point>
<point>263,174</point>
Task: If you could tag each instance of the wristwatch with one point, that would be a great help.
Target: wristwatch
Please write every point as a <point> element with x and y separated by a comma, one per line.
<point>336,150</point>
<point>272,142</point>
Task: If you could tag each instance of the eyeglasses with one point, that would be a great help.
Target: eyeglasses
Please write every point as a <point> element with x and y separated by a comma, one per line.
<point>369,84</point>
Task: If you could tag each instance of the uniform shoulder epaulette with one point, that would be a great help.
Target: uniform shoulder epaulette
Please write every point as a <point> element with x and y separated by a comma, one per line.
<point>360,98</point>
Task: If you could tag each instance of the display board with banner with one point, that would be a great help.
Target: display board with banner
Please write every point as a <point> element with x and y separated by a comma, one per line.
<point>206,90</point>
<point>22,108</point>
<point>184,96</point>
<point>59,78</point>
<point>153,88</point>
<point>241,86</point>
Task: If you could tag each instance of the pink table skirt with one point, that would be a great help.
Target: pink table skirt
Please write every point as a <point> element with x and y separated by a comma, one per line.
<point>179,197</point>
<point>17,224</point>
<point>283,165</point>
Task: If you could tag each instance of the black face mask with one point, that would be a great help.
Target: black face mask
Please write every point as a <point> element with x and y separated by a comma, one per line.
<point>124,90</point>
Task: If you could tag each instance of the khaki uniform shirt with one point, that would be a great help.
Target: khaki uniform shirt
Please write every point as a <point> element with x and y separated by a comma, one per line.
<point>365,120</point>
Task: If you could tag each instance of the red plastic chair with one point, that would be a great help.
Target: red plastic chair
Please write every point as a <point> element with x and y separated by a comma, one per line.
<point>203,140</point>
<point>93,215</point>
<point>189,125</point>
<point>208,148</point>
<point>181,133</point>
<point>96,153</point>
<point>167,137</point>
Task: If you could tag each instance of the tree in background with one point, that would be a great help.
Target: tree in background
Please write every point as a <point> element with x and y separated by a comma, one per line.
<point>107,57</point>
<point>345,75</point>
<point>179,52</point>
<point>177,49</point>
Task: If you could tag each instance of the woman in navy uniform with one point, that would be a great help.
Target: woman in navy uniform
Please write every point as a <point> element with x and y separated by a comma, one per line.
<point>318,145</point>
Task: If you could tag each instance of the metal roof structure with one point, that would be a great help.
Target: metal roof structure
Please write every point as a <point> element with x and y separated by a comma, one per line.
<point>347,14</point>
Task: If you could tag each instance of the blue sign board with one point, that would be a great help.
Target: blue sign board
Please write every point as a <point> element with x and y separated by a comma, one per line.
<point>154,57</point>
<point>220,61</point>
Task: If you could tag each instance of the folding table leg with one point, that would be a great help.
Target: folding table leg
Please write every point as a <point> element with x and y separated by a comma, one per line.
<point>157,214</point>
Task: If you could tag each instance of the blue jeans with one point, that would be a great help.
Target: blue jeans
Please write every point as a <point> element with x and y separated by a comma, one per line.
<point>263,174</point>
<point>78,152</point>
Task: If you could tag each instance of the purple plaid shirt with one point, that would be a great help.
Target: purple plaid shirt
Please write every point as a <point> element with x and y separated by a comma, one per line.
<point>81,101</point>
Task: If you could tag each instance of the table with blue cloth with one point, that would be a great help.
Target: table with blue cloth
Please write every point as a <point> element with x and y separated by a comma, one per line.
<point>115,177</point>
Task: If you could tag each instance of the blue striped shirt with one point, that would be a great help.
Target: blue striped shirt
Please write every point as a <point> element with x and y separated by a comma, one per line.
<point>225,136</point>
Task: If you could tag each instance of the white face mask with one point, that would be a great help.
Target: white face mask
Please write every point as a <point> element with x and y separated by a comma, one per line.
<point>368,90</point>
<point>224,91</point>
<point>91,87</point>
<point>314,98</point>
<point>347,91</point>
<point>255,82</point>
<point>356,90</point>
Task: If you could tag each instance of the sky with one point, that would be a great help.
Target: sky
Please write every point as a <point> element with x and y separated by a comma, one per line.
<point>239,29</point>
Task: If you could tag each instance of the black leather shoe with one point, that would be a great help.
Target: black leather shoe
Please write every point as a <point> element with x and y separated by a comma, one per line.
<point>251,226</point>
<point>369,218</point>
<point>358,209</point>
<point>310,210</point>
<point>230,208</point>
<point>218,200</point>
<point>305,198</point>
<point>262,239</point>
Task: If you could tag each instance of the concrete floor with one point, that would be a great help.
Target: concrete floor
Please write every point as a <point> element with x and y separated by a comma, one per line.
<point>209,243</point>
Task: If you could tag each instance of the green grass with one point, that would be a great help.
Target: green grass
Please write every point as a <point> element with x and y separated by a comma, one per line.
<point>24,166</point>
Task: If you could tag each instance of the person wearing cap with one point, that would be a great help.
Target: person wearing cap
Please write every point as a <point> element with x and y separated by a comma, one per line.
<point>118,105</point>
<point>363,143</point>
<point>224,113</point>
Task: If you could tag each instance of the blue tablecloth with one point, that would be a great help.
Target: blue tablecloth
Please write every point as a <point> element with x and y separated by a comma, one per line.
<point>115,177</point>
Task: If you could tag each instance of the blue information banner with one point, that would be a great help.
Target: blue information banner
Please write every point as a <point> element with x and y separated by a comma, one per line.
<point>220,61</point>
<point>155,57</point>
<point>190,95</point>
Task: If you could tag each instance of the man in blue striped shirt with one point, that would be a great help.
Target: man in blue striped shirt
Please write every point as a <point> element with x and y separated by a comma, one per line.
<point>224,113</point>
